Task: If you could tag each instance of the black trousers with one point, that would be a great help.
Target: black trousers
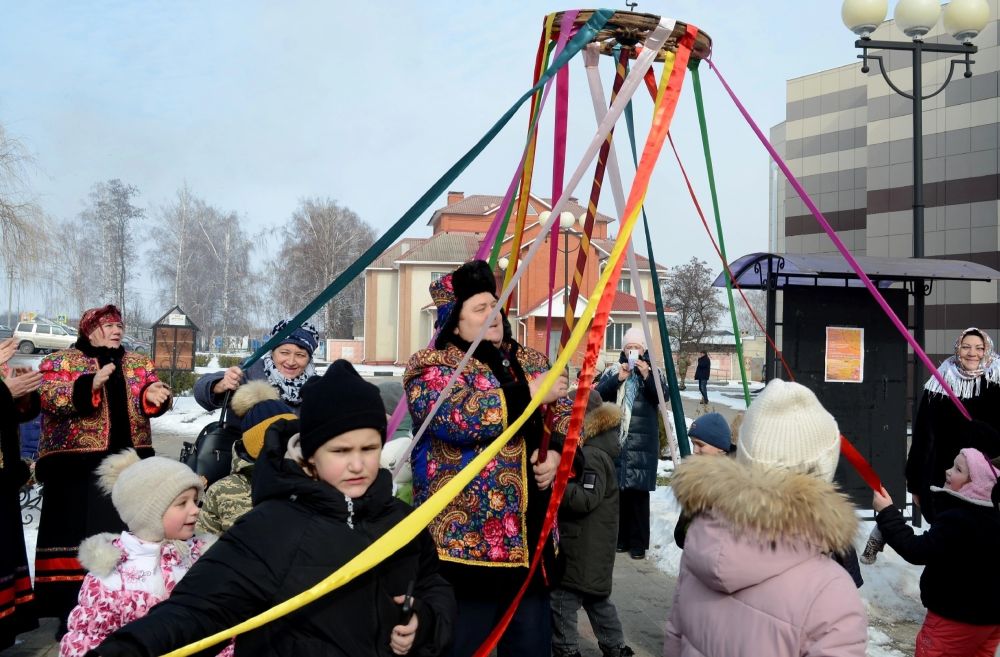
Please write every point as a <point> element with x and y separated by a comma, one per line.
<point>633,519</point>
<point>528,635</point>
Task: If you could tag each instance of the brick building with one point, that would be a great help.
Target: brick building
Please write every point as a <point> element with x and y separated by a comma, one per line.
<point>399,314</point>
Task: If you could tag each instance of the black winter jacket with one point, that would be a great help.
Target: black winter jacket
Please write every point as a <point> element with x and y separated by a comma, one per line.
<point>296,535</point>
<point>960,579</point>
<point>588,515</point>
<point>704,370</point>
<point>937,439</point>
<point>640,454</point>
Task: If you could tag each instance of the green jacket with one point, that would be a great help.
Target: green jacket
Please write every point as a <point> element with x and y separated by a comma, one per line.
<point>227,499</point>
<point>588,515</point>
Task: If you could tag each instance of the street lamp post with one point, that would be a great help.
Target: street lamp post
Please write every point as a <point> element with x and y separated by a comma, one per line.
<point>963,19</point>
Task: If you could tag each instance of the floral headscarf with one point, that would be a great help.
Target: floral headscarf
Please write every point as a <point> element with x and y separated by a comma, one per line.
<point>967,383</point>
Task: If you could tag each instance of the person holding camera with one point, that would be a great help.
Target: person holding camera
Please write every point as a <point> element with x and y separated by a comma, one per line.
<point>629,384</point>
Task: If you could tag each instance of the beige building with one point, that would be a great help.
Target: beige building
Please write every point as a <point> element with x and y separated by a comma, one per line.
<point>847,137</point>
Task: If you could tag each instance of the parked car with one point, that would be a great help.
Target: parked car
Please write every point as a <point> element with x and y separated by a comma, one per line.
<point>135,344</point>
<point>43,336</point>
<point>6,332</point>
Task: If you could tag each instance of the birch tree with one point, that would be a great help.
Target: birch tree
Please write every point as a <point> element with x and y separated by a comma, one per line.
<point>322,239</point>
<point>112,220</point>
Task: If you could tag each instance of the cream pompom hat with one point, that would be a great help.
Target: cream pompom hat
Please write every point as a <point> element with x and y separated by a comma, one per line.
<point>142,489</point>
<point>787,427</point>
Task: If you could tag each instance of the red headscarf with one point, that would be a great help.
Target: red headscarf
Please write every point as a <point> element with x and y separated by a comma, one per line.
<point>94,317</point>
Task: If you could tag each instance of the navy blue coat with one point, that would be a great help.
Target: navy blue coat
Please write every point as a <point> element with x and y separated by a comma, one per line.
<point>704,370</point>
<point>641,451</point>
<point>203,387</point>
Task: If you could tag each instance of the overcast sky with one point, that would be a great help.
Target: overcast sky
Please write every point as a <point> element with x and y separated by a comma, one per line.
<point>256,105</point>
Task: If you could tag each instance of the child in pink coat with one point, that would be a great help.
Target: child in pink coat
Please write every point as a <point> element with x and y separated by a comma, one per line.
<point>157,498</point>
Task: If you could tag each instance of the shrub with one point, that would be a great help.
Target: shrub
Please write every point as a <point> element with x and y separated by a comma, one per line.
<point>202,360</point>
<point>226,362</point>
<point>180,382</point>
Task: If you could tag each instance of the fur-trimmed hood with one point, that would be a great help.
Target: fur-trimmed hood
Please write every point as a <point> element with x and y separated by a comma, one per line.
<point>770,503</point>
<point>99,554</point>
<point>604,417</point>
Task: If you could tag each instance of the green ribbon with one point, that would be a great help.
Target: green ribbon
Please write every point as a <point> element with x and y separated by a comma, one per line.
<point>680,426</point>
<point>693,67</point>
<point>585,35</point>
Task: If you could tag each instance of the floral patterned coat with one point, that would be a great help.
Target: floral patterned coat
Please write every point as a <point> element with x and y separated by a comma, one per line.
<point>486,523</point>
<point>121,585</point>
<point>65,429</point>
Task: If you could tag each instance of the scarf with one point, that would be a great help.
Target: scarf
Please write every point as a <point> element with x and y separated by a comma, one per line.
<point>626,397</point>
<point>965,383</point>
<point>289,389</point>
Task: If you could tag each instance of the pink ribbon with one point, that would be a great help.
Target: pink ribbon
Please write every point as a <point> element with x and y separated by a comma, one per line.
<point>840,246</point>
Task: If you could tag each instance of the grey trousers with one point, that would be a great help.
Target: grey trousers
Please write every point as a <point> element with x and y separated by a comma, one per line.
<point>603,619</point>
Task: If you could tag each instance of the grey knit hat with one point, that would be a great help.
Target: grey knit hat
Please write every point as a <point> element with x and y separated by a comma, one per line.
<point>143,489</point>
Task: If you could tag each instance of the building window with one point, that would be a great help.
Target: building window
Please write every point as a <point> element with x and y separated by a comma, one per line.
<point>435,275</point>
<point>613,336</point>
<point>625,285</point>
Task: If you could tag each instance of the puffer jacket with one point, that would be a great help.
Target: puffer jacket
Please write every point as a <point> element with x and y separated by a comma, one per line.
<point>212,402</point>
<point>756,577</point>
<point>588,515</point>
<point>299,532</point>
<point>640,453</point>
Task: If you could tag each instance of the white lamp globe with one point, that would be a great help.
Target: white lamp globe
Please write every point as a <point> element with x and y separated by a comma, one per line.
<point>566,220</point>
<point>964,19</point>
<point>916,17</point>
<point>503,263</point>
<point>863,16</point>
<point>582,218</point>
<point>543,216</point>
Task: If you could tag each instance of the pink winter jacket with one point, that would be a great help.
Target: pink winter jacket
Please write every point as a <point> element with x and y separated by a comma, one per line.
<point>756,577</point>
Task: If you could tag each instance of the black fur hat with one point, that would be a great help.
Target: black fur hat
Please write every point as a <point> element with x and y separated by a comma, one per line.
<point>451,291</point>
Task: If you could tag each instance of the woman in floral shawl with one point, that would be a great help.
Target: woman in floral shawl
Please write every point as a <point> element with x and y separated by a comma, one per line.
<point>96,400</point>
<point>973,372</point>
<point>486,536</point>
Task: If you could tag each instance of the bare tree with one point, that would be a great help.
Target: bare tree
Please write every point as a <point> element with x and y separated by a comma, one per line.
<point>202,263</point>
<point>111,219</point>
<point>758,301</point>
<point>689,293</point>
<point>322,239</point>
<point>24,229</point>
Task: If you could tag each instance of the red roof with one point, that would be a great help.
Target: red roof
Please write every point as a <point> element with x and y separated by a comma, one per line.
<point>626,303</point>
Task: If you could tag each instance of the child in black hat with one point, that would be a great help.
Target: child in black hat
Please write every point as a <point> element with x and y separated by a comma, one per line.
<point>319,500</point>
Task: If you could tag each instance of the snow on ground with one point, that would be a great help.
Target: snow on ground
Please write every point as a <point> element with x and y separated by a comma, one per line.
<point>185,418</point>
<point>730,395</point>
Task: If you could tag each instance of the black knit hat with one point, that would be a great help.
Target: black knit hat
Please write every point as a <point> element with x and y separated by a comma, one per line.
<point>338,402</point>
<point>451,291</point>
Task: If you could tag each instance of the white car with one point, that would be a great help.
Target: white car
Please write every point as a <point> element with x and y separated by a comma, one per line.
<point>40,335</point>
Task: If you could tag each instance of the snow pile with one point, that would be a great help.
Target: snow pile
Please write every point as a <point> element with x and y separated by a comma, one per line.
<point>186,418</point>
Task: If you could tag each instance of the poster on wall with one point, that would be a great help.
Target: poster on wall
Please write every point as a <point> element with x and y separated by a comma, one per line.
<point>845,354</point>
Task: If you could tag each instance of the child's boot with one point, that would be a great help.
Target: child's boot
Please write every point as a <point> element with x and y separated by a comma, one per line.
<point>874,545</point>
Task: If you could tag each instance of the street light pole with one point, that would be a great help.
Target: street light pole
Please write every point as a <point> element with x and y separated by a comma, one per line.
<point>963,19</point>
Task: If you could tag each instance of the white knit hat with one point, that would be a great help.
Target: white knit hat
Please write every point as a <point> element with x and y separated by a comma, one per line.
<point>787,427</point>
<point>634,335</point>
<point>143,489</point>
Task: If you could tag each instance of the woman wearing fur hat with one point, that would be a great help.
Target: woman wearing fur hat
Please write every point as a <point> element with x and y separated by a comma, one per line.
<point>960,582</point>
<point>757,551</point>
<point>588,531</point>
<point>287,367</point>
<point>320,499</point>
<point>18,403</point>
<point>130,572</point>
<point>96,400</point>
<point>486,536</point>
<point>629,384</point>
<point>973,372</point>
<point>257,405</point>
